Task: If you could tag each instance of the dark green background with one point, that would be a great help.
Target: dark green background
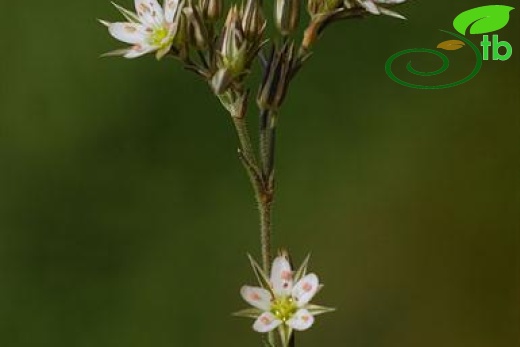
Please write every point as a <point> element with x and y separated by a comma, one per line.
<point>125,216</point>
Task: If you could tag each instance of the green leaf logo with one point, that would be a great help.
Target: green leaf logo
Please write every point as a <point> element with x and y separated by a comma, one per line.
<point>483,20</point>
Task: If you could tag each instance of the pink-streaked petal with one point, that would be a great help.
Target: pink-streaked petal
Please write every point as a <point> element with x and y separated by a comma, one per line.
<point>256,297</point>
<point>305,289</point>
<point>150,12</point>
<point>302,320</point>
<point>132,33</point>
<point>281,276</point>
<point>266,323</point>
<point>138,51</point>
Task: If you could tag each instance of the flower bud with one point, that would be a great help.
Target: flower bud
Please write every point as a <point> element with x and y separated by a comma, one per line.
<point>233,48</point>
<point>196,30</point>
<point>211,9</point>
<point>287,15</point>
<point>253,21</point>
<point>277,77</point>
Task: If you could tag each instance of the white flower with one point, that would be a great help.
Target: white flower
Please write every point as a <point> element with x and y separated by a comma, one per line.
<point>153,28</point>
<point>373,6</point>
<point>283,301</point>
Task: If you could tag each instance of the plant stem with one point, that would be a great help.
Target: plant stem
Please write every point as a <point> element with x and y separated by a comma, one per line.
<point>265,208</point>
<point>244,139</point>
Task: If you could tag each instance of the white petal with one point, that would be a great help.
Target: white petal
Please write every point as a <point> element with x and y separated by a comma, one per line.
<point>257,297</point>
<point>281,276</point>
<point>392,13</point>
<point>305,289</point>
<point>302,320</point>
<point>370,6</point>
<point>137,51</point>
<point>266,322</point>
<point>389,2</point>
<point>171,8</point>
<point>150,12</point>
<point>132,33</point>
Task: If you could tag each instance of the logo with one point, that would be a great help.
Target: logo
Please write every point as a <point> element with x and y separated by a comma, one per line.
<point>479,21</point>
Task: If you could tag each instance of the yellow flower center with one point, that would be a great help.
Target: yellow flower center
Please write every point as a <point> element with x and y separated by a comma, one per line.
<point>283,308</point>
<point>158,36</point>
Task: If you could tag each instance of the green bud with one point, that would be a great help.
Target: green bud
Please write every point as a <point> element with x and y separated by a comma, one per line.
<point>277,77</point>
<point>233,48</point>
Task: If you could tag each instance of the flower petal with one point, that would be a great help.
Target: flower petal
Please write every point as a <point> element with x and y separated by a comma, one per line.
<point>132,33</point>
<point>171,9</point>
<point>391,13</point>
<point>370,6</point>
<point>389,2</point>
<point>302,320</point>
<point>305,289</point>
<point>256,297</point>
<point>266,322</point>
<point>281,276</point>
<point>138,50</point>
<point>150,12</point>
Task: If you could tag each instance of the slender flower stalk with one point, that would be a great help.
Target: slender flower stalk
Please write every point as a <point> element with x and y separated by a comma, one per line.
<point>223,55</point>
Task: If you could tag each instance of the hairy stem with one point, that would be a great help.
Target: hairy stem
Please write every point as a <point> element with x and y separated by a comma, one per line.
<point>244,139</point>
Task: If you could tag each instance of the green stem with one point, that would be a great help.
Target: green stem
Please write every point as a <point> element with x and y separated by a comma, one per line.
<point>244,139</point>
<point>265,208</point>
<point>261,179</point>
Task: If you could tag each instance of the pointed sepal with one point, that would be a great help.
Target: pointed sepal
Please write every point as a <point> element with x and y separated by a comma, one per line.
<point>261,276</point>
<point>248,313</point>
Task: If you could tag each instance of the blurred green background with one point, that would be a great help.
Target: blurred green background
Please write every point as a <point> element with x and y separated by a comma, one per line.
<point>125,216</point>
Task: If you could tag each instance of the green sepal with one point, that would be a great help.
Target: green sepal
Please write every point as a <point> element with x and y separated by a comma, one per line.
<point>302,271</point>
<point>248,313</point>
<point>316,310</point>
<point>285,334</point>
<point>267,343</point>
<point>262,278</point>
<point>130,16</point>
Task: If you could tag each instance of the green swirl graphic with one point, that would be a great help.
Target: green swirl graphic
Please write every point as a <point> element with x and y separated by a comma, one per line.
<point>444,67</point>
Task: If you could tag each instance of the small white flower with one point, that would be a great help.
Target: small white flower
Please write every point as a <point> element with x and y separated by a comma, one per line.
<point>283,301</point>
<point>152,29</point>
<point>373,6</point>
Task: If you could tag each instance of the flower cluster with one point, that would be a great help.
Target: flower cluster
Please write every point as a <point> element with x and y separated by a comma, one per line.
<point>176,24</point>
<point>220,45</point>
<point>283,300</point>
